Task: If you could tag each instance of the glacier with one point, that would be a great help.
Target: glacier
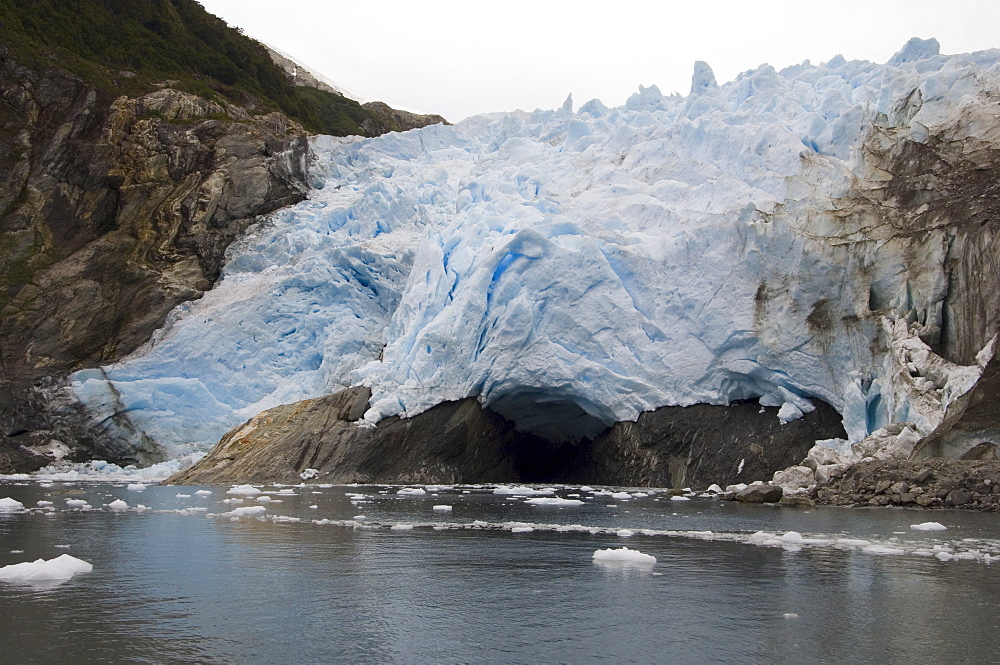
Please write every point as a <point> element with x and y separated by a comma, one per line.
<point>575,268</point>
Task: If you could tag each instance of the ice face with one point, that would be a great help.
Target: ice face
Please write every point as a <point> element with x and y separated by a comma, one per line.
<point>571,269</point>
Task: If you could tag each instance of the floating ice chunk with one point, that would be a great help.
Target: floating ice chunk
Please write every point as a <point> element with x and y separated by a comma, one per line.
<point>412,491</point>
<point>135,487</point>
<point>264,499</point>
<point>204,492</point>
<point>313,507</point>
<point>928,526</point>
<point>243,489</point>
<point>245,511</point>
<point>523,490</point>
<point>77,503</point>
<point>790,615</point>
<point>553,501</point>
<point>852,542</point>
<point>792,538</point>
<point>58,569</point>
<point>117,506</point>
<point>232,501</point>
<point>679,498</point>
<point>43,504</point>
<point>359,517</point>
<point>286,492</point>
<point>586,488</point>
<point>624,555</point>
<point>402,527</point>
<point>882,549</point>
<point>183,496</point>
<point>621,495</point>
<point>309,474</point>
<point>522,529</point>
<point>624,533</point>
<point>9,505</point>
<point>442,509</point>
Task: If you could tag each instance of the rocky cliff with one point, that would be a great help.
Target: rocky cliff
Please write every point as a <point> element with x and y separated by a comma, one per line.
<point>114,210</point>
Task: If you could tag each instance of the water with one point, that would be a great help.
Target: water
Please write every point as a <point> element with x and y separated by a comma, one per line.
<point>187,587</point>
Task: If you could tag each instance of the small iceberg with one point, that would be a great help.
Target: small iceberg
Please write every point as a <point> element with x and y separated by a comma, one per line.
<point>42,572</point>
<point>553,501</point>
<point>9,505</point>
<point>623,555</point>
<point>929,526</point>
<point>247,490</point>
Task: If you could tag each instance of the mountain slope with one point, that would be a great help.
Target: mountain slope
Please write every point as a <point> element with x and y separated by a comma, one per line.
<point>133,45</point>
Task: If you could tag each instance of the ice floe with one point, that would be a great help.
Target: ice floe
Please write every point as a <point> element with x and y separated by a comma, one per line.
<point>59,569</point>
<point>624,555</point>
<point>928,526</point>
<point>553,501</point>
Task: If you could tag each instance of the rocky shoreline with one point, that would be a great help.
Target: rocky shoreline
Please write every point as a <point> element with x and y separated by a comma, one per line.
<point>927,483</point>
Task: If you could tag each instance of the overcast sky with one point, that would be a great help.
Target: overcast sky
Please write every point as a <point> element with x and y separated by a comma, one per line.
<point>462,57</point>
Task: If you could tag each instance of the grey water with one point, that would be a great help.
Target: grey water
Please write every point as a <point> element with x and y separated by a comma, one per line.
<point>495,580</point>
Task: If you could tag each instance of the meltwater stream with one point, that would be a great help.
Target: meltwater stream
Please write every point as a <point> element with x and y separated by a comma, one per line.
<point>334,574</point>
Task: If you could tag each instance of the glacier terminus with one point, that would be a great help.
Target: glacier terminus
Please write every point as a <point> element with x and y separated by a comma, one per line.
<point>787,237</point>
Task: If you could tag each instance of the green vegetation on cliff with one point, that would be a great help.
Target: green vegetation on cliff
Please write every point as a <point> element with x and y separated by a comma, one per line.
<point>130,46</point>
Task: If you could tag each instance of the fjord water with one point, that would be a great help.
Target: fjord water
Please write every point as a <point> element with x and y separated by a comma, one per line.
<point>493,580</point>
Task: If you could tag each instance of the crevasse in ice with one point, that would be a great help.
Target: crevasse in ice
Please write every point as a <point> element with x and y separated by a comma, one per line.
<point>567,268</point>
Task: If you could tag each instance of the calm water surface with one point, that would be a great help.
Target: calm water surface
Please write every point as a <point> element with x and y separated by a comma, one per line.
<point>183,583</point>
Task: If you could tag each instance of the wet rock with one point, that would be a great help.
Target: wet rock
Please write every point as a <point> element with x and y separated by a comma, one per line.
<point>958,497</point>
<point>760,494</point>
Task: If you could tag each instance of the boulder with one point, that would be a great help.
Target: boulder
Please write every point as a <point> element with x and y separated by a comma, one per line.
<point>760,494</point>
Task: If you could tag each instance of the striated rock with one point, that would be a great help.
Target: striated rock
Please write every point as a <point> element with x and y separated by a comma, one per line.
<point>113,211</point>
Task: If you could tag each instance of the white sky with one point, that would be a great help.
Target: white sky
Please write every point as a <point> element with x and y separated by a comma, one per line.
<point>462,57</point>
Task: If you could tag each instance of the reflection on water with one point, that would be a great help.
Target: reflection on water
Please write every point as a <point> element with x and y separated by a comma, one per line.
<point>198,587</point>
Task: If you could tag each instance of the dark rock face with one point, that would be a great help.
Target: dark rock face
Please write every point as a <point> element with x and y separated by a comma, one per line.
<point>703,444</point>
<point>463,442</point>
<point>113,211</point>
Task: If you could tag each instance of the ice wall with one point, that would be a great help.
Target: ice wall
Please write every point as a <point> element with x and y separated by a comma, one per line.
<point>575,268</point>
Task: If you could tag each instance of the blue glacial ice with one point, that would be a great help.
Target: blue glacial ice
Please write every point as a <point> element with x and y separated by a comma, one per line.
<point>571,268</point>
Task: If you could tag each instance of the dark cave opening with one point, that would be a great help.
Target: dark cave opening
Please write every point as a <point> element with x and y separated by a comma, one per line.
<point>554,418</point>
